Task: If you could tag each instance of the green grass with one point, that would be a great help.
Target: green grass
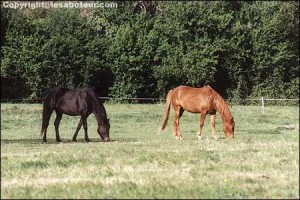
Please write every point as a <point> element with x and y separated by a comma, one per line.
<point>262,161</point>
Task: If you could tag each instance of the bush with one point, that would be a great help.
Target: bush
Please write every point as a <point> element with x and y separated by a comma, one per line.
<point>241,49</point>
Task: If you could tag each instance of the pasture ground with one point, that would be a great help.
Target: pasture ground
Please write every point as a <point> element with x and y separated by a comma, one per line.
<point>262,161</point>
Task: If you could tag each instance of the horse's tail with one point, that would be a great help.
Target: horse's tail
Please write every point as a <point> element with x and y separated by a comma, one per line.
<point>48,107</point>
<point>44,121</point>
<point>167,111</point>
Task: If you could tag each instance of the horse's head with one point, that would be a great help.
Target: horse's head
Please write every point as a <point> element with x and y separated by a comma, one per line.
<point>228,128</point>
<point>103,130</point>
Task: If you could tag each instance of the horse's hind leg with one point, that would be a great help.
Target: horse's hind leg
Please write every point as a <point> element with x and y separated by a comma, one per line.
<point>56,124</point>
<point>178,111</point>
<point>213,126</point>
<point>202,118</point>
<point>77,130</point>
<point>45,122</point>
<point>181,112</point>
<point>84,122</point>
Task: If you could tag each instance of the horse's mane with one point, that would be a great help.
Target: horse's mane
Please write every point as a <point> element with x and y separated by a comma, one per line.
<point>99,108</point>
<point>221,105</point>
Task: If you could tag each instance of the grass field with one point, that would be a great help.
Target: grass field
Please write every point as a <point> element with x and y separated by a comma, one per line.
<point>262,161</point>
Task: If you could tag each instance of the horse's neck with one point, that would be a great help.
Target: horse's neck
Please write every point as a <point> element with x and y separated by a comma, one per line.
<point>222,108</point>
<point>99,112</point>
<point>97,115</point>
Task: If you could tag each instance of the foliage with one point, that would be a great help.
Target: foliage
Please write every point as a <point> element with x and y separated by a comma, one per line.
<point>242,49</point>
<point>59,48</point>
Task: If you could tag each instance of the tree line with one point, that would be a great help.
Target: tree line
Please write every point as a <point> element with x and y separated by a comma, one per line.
<point>142,49</point>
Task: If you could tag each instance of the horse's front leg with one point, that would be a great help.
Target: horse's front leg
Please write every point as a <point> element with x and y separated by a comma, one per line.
<point>177,114</point>
<point>202,118</point>
<point>77,130</point>
<point>213,126</point>
<point>56,124</point>
<point>84,122</point>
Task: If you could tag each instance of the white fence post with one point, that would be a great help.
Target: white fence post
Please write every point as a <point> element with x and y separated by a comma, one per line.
<point>263,105</point>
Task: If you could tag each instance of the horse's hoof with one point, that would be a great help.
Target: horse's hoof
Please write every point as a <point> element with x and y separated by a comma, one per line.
<point>87,141</point>
<point>74,140</point>
<point>44,142</point>
<point>178,137</point>
<point>199,137</point>
<point>58,140</point>
<point>215,137</point>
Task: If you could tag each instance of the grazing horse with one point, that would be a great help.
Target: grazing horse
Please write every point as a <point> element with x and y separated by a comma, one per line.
<point>83,102</point>
<point>198,100</point>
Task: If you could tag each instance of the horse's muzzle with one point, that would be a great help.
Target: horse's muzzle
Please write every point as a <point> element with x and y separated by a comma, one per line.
<point>107,139</point>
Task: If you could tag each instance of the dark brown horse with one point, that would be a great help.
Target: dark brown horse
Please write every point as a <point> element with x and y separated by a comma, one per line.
<point>83,102</point>
<point>198,100</point>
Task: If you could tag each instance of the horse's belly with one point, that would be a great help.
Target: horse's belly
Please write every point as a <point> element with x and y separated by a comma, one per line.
<point>191,108</point>
<point>194,104</point>
<point>69,112</point>
<point>68,109</point>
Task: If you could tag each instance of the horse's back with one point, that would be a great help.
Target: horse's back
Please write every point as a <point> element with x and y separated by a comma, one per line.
<point>74,102</point>
<point>51,96</point>
<point>191,92</point>
<point>89,91</point>
<point>193,99</point>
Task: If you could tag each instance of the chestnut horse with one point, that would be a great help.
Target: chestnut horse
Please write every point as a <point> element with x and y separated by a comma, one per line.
<point>82,101</point>
<point>203,100</point>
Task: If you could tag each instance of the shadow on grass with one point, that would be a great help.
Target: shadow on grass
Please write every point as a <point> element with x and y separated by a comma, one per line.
<point>203,139</point>
<point>287,127</point>
<point>265,132</point>
<point>64,141</point>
